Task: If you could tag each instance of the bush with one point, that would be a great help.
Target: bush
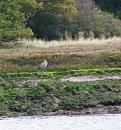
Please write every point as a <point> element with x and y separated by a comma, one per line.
<point>35,93</point>
<point>73,87</point>
<point>47,85</point>
<point>45,26</point>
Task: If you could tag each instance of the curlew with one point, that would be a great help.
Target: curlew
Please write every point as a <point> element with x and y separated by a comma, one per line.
<point>44,64</point>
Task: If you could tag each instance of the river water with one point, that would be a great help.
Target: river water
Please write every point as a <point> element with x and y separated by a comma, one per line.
<point>95,122</point>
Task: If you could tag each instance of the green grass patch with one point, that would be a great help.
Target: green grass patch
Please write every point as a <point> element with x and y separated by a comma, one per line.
<point>52,95</point>
<point>59,62</point>
<point>49,74</point>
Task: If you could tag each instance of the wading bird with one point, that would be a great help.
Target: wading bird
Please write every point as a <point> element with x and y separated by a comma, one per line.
<point>43,65</point>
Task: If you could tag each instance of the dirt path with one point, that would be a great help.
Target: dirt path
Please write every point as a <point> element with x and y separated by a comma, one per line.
<point>90,78</point>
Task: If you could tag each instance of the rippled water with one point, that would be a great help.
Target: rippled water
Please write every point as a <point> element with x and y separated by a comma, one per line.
<point>96,122</point>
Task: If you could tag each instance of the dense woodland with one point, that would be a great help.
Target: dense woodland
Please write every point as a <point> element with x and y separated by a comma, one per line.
<point>59,19</point>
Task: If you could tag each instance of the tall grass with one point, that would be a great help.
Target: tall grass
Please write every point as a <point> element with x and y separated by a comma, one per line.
<point>62,55</point>
<point>51,44</point>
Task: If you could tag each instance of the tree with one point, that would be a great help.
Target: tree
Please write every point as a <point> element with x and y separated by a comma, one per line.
<point>13,16</point>
<point>91,19</point>
<point>45,26</point>
<point>86,8</point>
<point>110,6</point>
<point>53,18</point>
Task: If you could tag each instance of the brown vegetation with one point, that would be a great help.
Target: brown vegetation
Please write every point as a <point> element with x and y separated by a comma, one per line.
<point>62,54</point>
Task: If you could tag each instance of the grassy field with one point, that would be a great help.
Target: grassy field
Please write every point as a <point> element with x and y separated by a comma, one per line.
<point>20,60</point>
<point>26,56</point>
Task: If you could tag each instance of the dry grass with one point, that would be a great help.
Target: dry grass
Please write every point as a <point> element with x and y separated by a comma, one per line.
<point>61,55</point>
<point>82,46</point>
<point>50,44</point>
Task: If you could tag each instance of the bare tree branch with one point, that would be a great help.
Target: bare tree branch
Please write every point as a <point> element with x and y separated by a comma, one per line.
<point>86,8</point>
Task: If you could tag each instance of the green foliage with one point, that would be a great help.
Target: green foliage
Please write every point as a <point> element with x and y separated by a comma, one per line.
<point>52,95</point>
<point>54,19</point>
<point>111,6</point>
<point>91,93</point>
<point>59,20</point>
<point>48,86</point>
<point>28,7</point>
<point>40,90</point>
<point>35,93</point>
<point>46,26</point>
<point>58,74</point>
<point>12,20</point>
<point>102,25</point>
<point>73,87</point>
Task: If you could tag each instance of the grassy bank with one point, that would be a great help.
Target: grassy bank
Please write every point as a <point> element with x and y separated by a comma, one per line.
<point>53,95</point>
<point>57,74</point>
<point>21,60</point>
<point>61,55</point>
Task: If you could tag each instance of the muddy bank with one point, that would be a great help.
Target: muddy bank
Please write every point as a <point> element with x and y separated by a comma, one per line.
<point>52,97</point>
<point>98,109</point>
<point>81,79</point>
<point>90,78</point>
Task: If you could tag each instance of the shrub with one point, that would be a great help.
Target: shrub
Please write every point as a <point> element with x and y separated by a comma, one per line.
<point>47,85</point>
<point>35,93</point>
<point>73,87</point>
<point>46,26</point>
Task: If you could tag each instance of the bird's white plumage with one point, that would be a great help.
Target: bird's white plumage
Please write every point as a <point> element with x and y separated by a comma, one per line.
<point>44,64</point>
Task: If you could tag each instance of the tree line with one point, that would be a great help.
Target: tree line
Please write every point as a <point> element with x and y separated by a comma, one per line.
<point>111,6</point>
<point>58,19</point>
